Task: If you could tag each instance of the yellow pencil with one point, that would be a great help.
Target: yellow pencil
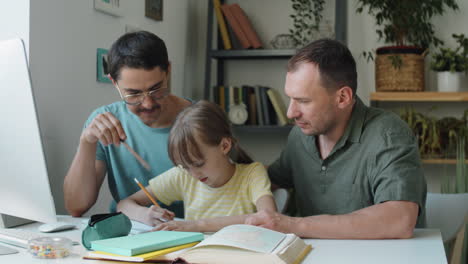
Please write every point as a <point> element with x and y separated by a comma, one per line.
<point>147,193</point>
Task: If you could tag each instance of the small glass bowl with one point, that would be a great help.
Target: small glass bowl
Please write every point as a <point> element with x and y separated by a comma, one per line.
<point>50,247</point>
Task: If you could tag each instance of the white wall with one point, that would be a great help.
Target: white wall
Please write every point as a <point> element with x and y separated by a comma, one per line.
<point>14,20</point>
<point>64,37</point>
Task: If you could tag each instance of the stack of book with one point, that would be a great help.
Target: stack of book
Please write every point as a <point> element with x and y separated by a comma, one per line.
<point>265,107</point>
<point>238,244</point>
<point>238,32</point>
<point>143,247</point>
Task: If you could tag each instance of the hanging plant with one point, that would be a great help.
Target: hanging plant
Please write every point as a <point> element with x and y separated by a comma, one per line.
<point>306,20</point>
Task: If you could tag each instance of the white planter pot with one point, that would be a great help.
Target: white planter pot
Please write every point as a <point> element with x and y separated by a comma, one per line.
<point>452,81</point>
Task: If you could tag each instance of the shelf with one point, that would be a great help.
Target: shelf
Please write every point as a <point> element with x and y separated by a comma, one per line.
<point>253,54</point>
<point>441,161</point>
<point>419,96</point>
<point>261,129</point>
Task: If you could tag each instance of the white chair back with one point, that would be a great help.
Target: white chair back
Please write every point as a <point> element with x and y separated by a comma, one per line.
<point>281,197</point>
<point>446,212</point>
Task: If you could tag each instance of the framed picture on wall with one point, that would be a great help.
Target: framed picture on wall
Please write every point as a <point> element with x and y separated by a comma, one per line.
<point>154,9</point>
<point>111,7</point>
<point>102,66</point>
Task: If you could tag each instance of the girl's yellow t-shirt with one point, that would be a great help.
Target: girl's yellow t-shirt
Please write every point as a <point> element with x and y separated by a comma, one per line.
<point>237,197</point>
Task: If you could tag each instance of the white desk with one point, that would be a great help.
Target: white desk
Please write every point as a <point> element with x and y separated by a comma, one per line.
<point>426,247</point>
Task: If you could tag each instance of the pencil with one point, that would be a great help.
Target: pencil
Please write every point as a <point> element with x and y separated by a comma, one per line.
<point>138,157</point>
<point>146,192</point>
<point>150,197</point>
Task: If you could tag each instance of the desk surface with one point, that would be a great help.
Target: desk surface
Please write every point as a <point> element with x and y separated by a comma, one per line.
<point>425,247</point>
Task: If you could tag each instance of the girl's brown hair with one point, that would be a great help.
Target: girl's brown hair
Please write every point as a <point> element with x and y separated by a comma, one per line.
<point>205,121</point>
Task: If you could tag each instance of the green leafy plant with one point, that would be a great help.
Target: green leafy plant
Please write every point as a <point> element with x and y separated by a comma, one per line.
<point>442,138</point>
<point>459,136</point>
<point>437,138</point>
<point>306,20</point>
<point>406,22</point>
<point>447,59</point>
<point>425,129</point>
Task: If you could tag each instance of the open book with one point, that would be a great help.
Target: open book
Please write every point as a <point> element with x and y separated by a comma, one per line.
<point>232,245</point>
<point>247,244</point>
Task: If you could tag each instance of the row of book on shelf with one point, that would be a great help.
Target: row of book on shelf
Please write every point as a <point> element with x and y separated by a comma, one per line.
<point>238,32</point>
<point>232,244</point>
<point>263,105</point>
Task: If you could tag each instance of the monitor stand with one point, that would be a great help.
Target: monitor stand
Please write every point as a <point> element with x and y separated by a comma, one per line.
<point>7,221</point>
<point>7,251</point>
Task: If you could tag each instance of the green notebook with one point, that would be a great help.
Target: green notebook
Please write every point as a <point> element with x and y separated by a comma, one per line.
<point>145,242</point>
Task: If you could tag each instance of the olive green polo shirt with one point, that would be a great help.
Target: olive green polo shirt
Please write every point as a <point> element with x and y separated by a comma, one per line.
<point>376,160</point>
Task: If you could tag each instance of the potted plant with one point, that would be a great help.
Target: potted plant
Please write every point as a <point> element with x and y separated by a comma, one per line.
<point>406,25</point>
<point>451,66</point>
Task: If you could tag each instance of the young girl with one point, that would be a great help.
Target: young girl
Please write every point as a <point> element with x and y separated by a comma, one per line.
<point>218,182</point>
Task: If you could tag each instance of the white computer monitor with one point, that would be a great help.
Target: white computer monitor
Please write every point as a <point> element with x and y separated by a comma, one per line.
<point>24,183</point>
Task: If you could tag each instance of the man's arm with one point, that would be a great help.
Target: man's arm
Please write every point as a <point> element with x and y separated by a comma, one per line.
<point>86,174</point>
<point>83,180</point>
<point>392,219</point>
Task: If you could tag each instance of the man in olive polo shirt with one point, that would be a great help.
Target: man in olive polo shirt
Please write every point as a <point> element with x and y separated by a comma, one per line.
<point>356,170</point>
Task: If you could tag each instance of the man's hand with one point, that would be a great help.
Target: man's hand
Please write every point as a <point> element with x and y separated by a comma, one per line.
<point>154,215</point>
<point>271,220</point>
<point>106,128</point>
<point>187,226</point>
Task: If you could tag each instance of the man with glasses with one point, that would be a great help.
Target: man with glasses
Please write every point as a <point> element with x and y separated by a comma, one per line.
<point>139,69</point>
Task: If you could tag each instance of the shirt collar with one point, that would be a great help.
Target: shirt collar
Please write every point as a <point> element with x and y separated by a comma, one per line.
<point>356,122</point>
<point>354,128</point>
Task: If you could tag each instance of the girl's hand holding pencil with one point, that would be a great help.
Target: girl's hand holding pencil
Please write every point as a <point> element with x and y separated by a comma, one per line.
<point>155,215</point>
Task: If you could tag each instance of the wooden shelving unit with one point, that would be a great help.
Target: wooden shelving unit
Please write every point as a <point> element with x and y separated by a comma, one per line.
<point>261,129</point>
<point>419,97</point>
<point>378,97</point>
<point>441,161</point>
<point>216,57</point>
<point>252,54</point>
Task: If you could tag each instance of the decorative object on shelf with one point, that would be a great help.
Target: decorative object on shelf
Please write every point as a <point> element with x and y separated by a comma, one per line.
<point>101,65</point>
<point>283,41</point>
<point>407,24</point>
<point>111,7</point>
<point>131,28</point>
<point>238,114</point>
<point>154,9</point>
<point>452,81</point>
<point>306,20</point>
<point>452,66</point>
<point>399,69</point>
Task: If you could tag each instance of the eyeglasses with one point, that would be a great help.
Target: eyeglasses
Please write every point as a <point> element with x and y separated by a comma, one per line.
<point>137,98</point>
